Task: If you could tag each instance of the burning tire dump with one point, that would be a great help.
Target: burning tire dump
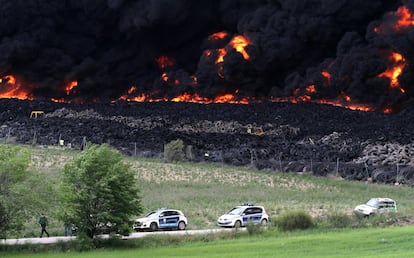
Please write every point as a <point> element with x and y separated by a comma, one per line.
<point>239,82</point>
<point>311,138</point>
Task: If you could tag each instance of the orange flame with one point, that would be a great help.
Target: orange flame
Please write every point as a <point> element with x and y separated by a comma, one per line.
<point>387,110</point>
<point>327,76</point>
<point>70,86</point>
<point>12,89</point>
<point>218,35</point>
<point>140,98</point>
<point>406,18</point>
<point>164,77</point>
<point>132,89</point>
<point>397,57</point>
<point>341,101</point>
<point>395,71</point>
<point>346,97</point>
<point>311,89</point>
<point>221,53</point>
<point>224,98</point>
<point>57,100</point>
<point>9,79</point>
<point>239,43</point>
<point>195,98</point>
<point>187,97</point>
<point>296,91</point>
<point>165,61</point>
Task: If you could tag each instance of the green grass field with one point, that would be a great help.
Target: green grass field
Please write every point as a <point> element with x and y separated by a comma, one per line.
<point>205,191</point>
<point>373,242</point>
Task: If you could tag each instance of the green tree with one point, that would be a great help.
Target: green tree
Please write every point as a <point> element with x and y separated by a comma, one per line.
<point>99,188</point>
<point>174,151</point>
<point>14,163</point>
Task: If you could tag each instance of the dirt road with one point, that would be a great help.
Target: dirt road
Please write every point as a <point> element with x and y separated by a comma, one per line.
<point>52,239</point>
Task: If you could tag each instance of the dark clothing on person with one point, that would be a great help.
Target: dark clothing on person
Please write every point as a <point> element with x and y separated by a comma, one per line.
<point>69,229</point>
<point>43,224</point>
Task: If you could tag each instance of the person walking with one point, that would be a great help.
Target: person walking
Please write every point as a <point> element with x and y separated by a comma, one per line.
<point>43,224</point>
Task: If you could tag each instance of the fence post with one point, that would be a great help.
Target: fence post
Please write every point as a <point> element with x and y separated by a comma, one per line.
<point>34,138</point>
<point>280,162</point>
<point>311,166</point>
<point>337,166</point>
<point>398,173</point>
<point>8,136</point>
<point>83,146</point>
<point>253,157</point>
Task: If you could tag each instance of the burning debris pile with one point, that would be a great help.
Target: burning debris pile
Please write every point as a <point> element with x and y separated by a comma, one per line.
<point>234,66</point>
<point>308,138</point>
<point>351,53</point>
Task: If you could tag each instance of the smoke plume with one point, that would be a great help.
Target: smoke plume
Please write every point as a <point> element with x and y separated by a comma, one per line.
<point>346,52</point>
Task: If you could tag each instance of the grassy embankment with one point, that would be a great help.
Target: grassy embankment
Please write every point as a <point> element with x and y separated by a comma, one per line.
<point>373,242</point>
<point>205,191</point>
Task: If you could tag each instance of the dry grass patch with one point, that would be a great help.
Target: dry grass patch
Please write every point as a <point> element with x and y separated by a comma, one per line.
<point>50,157</point>
<point>298,183</point>
<point>171,172</point>
<point>185,172</point>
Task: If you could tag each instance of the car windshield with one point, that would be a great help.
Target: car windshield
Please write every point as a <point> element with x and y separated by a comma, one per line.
<point>372,203</point>
<point>151,214</point>
<point>236,211</point>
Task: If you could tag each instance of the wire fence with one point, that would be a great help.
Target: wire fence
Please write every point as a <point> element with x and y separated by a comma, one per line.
<point>331,166</point>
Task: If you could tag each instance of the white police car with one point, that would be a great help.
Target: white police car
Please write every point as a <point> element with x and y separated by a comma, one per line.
<point>241,215</point>
<point>162,218</point>
<point>376,205</point>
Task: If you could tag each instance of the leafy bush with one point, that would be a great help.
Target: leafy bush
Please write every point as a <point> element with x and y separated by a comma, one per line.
<point>254,229</point>
<point>84,243</point>
<point>4,222</point>
<point>339,220</point>
<point>174,151</point>
<point>294,220</point>
<point>378,220</point>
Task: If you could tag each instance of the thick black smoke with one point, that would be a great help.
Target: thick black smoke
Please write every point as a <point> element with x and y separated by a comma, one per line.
<point>109,46</point>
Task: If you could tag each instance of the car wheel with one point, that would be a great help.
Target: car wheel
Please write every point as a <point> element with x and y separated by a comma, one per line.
<point>181,225</point>
<point>263,222</point>
<point>153,226</point>
<point>237,224</point>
